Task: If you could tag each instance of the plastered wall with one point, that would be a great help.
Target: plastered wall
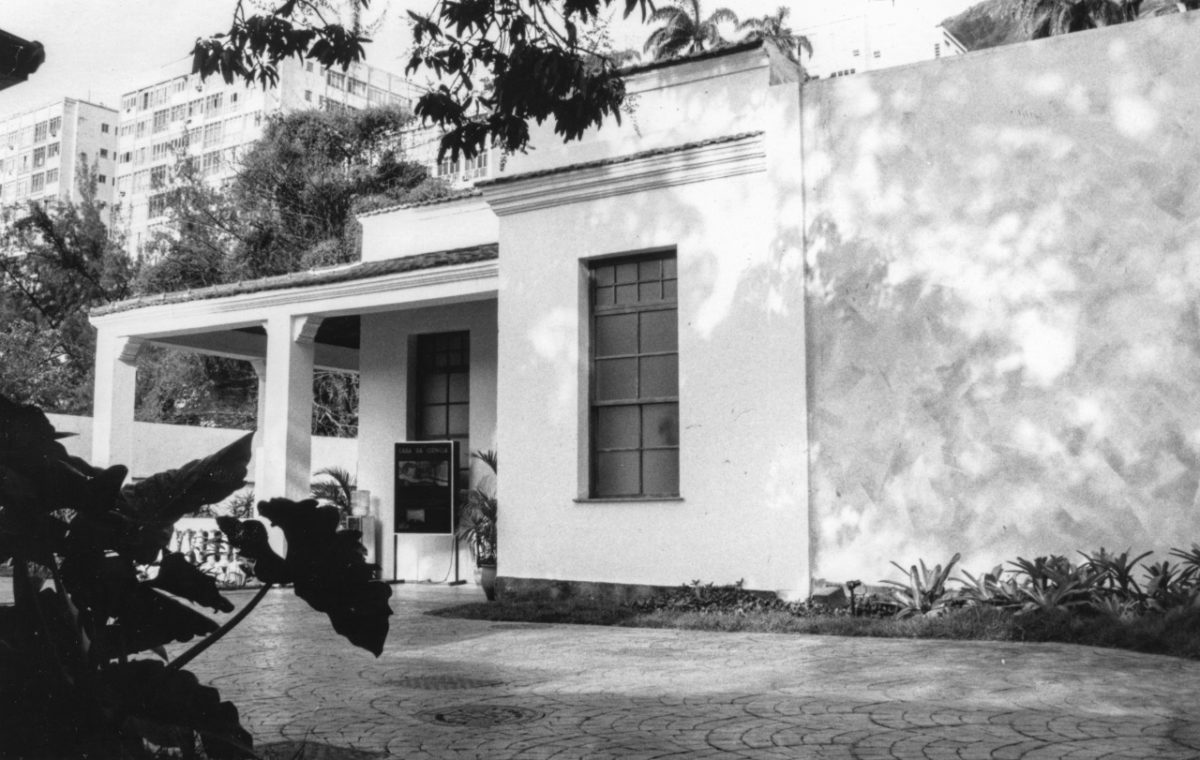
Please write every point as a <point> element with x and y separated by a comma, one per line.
<point>1004,302</point>
<point>386,339</point>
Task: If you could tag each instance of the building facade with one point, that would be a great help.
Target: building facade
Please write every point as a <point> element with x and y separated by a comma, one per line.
<point>44,152</point>
<point>865,35</point>
<point>782,331</point>
<point>211,123</point>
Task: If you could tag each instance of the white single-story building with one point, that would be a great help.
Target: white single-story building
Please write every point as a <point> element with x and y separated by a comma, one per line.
<point>770,330</point>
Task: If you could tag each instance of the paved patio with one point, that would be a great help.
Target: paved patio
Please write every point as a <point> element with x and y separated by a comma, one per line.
<point>466,689</point>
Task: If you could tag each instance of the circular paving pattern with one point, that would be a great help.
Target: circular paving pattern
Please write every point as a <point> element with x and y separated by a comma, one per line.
<point>594,693</point>
<point>443,682</point>
<point>480,716</point>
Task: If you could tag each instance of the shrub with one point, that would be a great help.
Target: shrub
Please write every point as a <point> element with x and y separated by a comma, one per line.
<point>83,665</point>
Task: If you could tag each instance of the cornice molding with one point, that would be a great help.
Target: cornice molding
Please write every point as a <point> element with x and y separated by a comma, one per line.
<point>251,308</point>
<point>705,161</point>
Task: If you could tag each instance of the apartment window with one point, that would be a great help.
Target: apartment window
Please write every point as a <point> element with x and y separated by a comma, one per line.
<point>39,157</point>
<point>212,134</point>
<point>101,179</point>
<point>937,50</point>
<point>443,380</point>
<point>158,204</point>
<point>37,183</point>
<point>474,168</point>
<point>41,131</point>
<point>213,103</point>
<point>876,54</point>
<point>178,113</point>
<point>308,67</point>
<point>52,150</point>
<point>52,176</point>
<point>448,167</point>
<point>104,153</point>
<point>103,128</point>
<point>308,95</point>
<point>161,119</point>
<point>158,177</point>
<point>141,128</point>
<point>56,125</point>
<point>211,162</point>
<point>635,378</point>
<point>336,80</point>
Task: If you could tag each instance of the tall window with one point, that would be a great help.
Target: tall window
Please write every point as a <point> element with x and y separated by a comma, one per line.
<point>635,378</point>
<point>443,392</point>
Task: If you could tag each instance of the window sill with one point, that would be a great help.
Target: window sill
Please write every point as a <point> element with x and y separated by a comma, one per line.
<point>625,499</point>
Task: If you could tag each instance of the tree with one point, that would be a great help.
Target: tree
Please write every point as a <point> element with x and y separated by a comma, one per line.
<point>501,63</point>
<point>296,189</point>
<point>774,28</point>
<point>684,31</point>
<point>57,261</point>
<point>1045,18</point>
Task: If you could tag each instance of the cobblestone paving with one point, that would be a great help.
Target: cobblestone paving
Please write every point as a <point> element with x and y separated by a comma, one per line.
<point>470,689</point>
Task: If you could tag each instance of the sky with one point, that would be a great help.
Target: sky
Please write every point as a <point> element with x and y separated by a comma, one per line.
<point>97,49</point>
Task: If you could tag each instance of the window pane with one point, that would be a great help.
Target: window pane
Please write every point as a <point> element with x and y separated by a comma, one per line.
<point>669,290</point>
<point>650,291</point>
<point>660,425</point>
<point>459,424</point>
<point>627,272</point>
<point>605,296</point>
<point>627,294</point>
<point>459,387</point>
<point>658,331</point>
<point>660,472</point>
<point>433,389</point>
<point>649,270</point>
<point>669,267</point>
<point>616,334</point>
<point>660,376</point>
<point>604,275</point>
<point>433,421</point>
<point>616,379</point>
<point>617,427</point>
<point>617,473</point>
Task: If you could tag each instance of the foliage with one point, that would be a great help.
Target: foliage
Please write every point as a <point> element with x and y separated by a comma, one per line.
<point>924,592</point>
<point>1002,22</point>
<point>773,27</point>
<point>326,566</point>
<point>684,31</point>
<point>57,261</point>
<point>77,673</point>
<point>501,64</point>
<point>338,490</point>
<point>1053,583</point>
<point>477,519</point>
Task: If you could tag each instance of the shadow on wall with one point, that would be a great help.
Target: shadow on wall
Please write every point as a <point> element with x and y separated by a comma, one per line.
<point>1004,290</point>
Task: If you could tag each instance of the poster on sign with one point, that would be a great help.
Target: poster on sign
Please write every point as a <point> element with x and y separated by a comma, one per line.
<point>426,475</point>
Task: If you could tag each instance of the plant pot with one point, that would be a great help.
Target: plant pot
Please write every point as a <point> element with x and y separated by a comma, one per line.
<point>487,579</point>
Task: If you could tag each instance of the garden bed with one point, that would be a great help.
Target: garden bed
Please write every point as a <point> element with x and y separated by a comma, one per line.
<point>1175,632</point>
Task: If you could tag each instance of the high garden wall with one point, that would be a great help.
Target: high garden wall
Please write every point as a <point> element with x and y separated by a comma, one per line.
<point>1003,295</point>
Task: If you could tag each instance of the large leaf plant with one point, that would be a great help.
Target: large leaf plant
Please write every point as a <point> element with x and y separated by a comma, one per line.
<point>84,670</point>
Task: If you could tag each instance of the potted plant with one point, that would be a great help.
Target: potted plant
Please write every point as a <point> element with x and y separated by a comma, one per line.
<point>477,523</point>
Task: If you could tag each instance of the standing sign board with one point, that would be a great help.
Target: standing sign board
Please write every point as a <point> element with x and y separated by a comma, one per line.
<point>426,475</point>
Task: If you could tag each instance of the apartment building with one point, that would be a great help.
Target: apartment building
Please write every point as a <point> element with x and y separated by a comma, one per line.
<point>864,35</point>
<point>44,151</point>
<point>211,123</point>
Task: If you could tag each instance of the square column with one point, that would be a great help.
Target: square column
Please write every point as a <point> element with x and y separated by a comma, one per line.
<point>112,416</point>
<point>285,432</point>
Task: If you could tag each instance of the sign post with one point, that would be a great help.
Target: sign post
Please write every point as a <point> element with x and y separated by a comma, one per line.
<point>426,489</point>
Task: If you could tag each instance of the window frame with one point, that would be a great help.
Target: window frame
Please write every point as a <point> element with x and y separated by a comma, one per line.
<point>641,400</point>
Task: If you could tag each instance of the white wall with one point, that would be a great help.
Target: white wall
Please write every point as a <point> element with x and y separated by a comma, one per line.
<point>383,419</point>
<point>159,447</point>
<point>743,480</point>
<point>422,229</point>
